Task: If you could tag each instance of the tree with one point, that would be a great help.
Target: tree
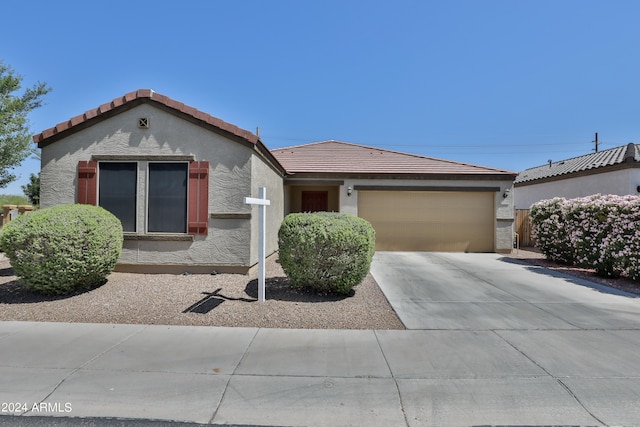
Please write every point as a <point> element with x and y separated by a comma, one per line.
<point>15,135</point>
<point>32,189</point>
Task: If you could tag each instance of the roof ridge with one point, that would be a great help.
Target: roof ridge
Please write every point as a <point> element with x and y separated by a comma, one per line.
<point>306,144</point>
<point>346,157</point>
<point>420,156</point>
<point>440,159</point>
<point>154,96</point>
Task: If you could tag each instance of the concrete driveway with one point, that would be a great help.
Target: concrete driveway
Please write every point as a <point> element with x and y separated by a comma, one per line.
<point>490,332</point>
<point>491,292</point>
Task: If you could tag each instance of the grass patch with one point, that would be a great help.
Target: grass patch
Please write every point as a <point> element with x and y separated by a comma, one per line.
<point>12,199</point>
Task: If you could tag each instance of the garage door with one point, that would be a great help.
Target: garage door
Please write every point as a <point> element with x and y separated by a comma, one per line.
<point>447,221</point>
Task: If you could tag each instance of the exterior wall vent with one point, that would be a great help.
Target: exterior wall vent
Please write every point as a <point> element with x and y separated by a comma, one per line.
<point>143,123</point>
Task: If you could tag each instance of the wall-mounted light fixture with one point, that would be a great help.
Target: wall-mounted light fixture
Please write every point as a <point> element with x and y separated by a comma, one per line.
<point>349,191</point>
<point>506,193</point>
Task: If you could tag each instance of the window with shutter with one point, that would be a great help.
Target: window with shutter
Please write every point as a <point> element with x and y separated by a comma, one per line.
<point>177,194</point>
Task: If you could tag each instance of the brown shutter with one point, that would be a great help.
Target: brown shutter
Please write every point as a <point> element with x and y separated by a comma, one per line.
<point>198,204</point>
<point>88,182</point>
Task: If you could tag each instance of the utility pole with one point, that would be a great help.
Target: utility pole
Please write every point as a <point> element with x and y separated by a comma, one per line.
<point>596,141</point>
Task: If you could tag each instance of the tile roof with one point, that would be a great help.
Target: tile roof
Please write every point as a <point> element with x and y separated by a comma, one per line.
<point>613,156</point>
<point>132,99</point>
<point>335,157</point>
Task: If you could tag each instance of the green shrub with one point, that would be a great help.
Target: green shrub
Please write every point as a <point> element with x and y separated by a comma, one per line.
<point>63,248</point>
<point>326,251</point>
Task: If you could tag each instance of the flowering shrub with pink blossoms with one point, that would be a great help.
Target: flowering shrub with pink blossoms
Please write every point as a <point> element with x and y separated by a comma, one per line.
<point>599,231</point>
<point>548,229</point>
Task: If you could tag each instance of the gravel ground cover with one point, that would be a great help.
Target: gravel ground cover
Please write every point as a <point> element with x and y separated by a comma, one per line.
<point>227,300</point>
<point>219,300</point>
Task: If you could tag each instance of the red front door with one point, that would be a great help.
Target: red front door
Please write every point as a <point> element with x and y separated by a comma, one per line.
<point>315,201</point>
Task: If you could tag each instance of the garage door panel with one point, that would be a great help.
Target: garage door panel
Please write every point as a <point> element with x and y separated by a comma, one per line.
<point>430,221</point>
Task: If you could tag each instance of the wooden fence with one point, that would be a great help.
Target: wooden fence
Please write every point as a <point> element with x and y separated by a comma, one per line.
<point>10,212</point>
<point>523,228</point>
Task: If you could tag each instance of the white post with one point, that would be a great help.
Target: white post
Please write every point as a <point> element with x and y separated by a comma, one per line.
<point>262,203</point>
<point>261,242</point>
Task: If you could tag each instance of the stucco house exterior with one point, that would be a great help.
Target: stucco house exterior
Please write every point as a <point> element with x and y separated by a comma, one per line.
<point>612,171</point>
<point>177,177</point>
<point>415,203</point>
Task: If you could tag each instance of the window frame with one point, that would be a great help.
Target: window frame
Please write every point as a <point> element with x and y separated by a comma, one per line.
<point>137,171</point>
<point>147,194</point>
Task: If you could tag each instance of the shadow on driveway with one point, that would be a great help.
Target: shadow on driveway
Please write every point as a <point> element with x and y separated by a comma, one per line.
<point>569,278</point>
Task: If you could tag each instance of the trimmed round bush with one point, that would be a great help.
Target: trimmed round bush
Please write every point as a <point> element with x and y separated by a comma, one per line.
<point>63,248</point>
<point>326,251</point>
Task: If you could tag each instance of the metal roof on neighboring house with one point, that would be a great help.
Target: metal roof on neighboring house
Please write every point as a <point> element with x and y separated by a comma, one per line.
<point>132,99</point>
<point>594,162</point>
<point>342,158</point>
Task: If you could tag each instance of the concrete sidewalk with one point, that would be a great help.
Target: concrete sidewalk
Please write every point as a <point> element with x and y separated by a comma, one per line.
<point>321,377</point>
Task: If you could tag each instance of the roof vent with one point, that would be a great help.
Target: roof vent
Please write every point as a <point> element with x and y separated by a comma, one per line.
<point>143,123</point>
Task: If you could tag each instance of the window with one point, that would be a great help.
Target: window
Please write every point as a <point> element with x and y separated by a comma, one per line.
<point>176,193</point>
<point>117,192</point>
<point>167,198</point>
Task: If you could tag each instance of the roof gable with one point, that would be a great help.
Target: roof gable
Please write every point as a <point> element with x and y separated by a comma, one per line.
<point>131,100</point>
<point>342,158</point>
<point>589,163</point>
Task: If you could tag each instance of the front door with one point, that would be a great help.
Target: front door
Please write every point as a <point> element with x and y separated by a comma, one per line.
<point>315,201</point>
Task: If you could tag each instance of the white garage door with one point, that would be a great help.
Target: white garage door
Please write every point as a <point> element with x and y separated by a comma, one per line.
<point>447,221</point>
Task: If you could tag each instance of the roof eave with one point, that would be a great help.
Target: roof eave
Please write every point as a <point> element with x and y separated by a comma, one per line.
<point>269,158</point>
<point>398,176</point>
<point>134,99</point>
<point>79,123</point>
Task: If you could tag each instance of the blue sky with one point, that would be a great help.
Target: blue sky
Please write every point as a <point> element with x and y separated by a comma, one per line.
<point>506,84</point>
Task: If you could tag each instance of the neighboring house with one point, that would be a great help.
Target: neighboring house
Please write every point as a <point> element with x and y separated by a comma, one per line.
<point>177,177</point>
<point>612,171</point>
<point>415,203</point>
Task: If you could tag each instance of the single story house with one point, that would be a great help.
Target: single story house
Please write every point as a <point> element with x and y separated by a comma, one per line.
<point>177,177</point>
<point>414,203</point>
<point>612,171</point>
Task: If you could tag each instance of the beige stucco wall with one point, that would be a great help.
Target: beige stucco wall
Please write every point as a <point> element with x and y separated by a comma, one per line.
<point>504,208</point>
<point>621,182</point>
<point>233,175</point>
<point>265,176</point>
